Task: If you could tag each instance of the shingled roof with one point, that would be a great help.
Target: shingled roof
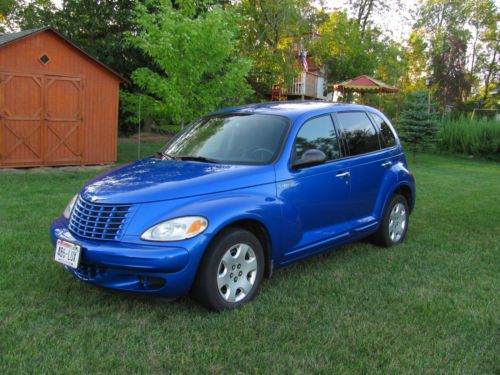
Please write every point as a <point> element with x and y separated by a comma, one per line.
<point>9,38</point>
<point>6,39</point>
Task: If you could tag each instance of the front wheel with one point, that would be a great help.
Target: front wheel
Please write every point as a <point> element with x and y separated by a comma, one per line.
<point>394,223</point>
<point>231,271</point>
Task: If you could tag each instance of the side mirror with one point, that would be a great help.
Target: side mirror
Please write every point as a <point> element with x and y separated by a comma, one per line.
<point>309,158</point>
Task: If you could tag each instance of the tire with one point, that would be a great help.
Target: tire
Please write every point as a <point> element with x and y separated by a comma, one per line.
<point>231,271</point>
<point>394,225</point>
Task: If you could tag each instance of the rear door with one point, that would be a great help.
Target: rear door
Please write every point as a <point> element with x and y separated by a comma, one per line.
<point>368,164</point>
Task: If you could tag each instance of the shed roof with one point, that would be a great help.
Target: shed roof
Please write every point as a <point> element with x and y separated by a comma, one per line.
<point>6,39</point>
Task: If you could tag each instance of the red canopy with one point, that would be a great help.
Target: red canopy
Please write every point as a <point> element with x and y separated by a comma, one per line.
<point>364,84</point>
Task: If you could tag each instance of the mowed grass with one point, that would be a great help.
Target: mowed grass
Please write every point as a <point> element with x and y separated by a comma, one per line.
<point>428,306</point>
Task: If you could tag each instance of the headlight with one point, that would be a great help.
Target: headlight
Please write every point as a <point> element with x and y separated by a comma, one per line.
<point>177,229</point>
<point>69,207</point>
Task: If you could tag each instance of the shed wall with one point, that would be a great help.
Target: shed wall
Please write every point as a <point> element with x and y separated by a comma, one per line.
<point>80,91</point>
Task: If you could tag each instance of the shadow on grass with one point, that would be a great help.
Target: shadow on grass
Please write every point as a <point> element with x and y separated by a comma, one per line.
<point>187,306</point>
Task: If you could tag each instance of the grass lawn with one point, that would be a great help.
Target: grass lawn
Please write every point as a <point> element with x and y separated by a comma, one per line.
<point>428,306</point>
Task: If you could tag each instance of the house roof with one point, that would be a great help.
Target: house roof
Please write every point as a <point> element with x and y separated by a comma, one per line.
<point>7,39</point>
<point>365,83</point>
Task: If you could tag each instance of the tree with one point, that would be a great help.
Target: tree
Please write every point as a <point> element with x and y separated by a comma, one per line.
<point>98,27</point>
<point>418,123</point>
<point>6,7</point>
<point>348,53</point>
<point>415,55</point>
<point>197,68</point>
<point>449,70</point>
<point>443,22</point>
<point>30,14</point>
<point>364,10</point>
<point>269,29</point>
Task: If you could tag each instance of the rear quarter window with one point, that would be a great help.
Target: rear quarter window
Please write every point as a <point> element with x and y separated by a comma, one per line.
<point>358,132</point>
<point>387,137</point>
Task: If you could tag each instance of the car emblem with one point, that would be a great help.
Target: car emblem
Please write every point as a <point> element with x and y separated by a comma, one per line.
<point>95,199</point>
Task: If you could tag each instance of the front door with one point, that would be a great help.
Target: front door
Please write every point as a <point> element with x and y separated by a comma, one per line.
<point>314,197</point>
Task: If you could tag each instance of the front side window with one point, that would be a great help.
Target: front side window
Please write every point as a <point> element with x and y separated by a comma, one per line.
<point>358,132</point>
<point>241,138</point>
<point>317,134</point>
<point>387,138</point>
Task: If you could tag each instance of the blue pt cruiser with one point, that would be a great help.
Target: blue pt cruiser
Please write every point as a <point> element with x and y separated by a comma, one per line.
<point>236,195</point>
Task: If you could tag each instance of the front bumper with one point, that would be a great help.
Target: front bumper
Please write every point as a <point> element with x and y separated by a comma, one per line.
<point>156,269</point>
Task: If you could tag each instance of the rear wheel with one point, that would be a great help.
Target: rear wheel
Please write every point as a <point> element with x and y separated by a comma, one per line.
<point>231,271</point>
<point>394,223</point>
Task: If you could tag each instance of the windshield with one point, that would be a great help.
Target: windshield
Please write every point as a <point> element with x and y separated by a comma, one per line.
<point>245,139</point>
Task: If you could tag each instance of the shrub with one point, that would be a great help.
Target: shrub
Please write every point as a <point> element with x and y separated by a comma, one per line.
<point>471,137</point>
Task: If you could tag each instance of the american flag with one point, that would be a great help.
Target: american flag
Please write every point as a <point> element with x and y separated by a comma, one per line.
<point>303,58</point>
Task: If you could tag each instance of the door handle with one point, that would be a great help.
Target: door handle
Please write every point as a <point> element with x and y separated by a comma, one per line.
<point>343,175</point>
<point>387,164</point>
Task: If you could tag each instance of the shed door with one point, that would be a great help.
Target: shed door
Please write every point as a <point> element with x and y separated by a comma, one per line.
<point>63,118</point>
<point>21,111</point>
<point>40,120</point>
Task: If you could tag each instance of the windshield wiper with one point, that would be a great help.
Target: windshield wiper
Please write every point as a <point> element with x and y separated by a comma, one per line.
<point>197,158</point>
<point>163,155</point>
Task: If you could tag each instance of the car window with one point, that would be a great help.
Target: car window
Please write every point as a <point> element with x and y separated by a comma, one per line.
<point>387,138</point>
<point>319,134</point>
<point>359,133</point>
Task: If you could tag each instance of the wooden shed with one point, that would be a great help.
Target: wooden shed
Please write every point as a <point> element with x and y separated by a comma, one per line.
<point>58,104</point>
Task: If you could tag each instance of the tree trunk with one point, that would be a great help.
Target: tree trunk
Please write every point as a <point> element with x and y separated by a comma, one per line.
<point>365,19</point>
<point>488,77</point>
<point>147,125</point>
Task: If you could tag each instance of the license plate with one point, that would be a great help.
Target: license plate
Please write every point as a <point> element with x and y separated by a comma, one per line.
<point>67,253</point>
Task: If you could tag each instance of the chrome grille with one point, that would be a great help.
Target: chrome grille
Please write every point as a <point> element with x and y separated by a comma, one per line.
<point>98,221</point>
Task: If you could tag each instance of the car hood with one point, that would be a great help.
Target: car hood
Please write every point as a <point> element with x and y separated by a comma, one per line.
<point>152,180</point>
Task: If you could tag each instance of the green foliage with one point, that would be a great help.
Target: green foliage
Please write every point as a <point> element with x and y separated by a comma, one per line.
<point>480,138</point>
<point>197,67</point>
<point>454,41</point>
<point>98,27</point>
<point>463,46</point>
<point>31,14</point>
<point>418,125</point>
<point>348,50</point>
<point>6,7</point>
<point>415,56</point>
<point>343,49</point>
<point>269,30</point>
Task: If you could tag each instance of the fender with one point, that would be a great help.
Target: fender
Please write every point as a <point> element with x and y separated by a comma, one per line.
<point>256,203</point>
<point>396,177</point>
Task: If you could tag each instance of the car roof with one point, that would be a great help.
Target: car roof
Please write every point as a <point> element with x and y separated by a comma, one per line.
<point>292,109</point>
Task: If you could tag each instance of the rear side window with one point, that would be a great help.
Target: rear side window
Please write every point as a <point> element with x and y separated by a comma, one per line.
<point>359,133</point>
<point>318,134</point>
<point>387,138</point>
